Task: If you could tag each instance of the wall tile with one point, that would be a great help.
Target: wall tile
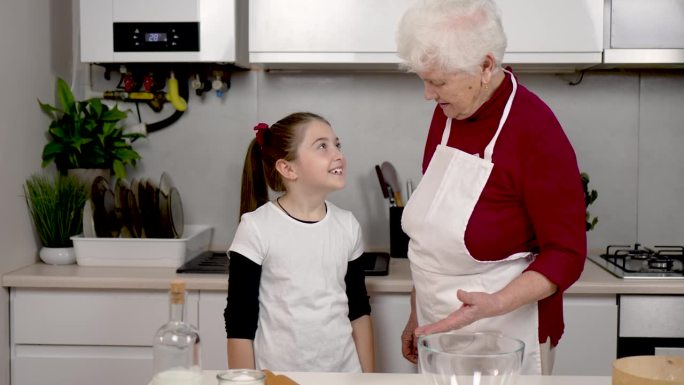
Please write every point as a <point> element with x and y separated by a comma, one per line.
<point>661,159</point>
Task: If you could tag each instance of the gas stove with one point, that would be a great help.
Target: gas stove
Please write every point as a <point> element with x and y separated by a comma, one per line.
<point>640,262</point>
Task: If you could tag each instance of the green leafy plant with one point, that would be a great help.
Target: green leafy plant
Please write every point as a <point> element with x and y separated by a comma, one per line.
<point>56,207</point>
<point>589,198</point>
<point>85,134</point>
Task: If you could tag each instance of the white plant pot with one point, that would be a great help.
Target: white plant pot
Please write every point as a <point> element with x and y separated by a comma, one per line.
<point>57,255</point>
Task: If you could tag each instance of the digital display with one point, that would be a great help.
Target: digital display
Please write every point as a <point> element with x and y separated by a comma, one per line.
<point>155,37</point>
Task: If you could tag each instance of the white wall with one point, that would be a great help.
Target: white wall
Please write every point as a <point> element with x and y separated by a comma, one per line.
<point>623,125</point>
<point>377,116</point>
<point>35,45</point>
<point>601,118</point>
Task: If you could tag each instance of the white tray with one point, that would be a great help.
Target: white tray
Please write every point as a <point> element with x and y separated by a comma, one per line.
<point>143,252</point>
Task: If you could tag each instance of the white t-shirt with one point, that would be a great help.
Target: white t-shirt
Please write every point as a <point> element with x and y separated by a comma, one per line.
<point>303,324</point>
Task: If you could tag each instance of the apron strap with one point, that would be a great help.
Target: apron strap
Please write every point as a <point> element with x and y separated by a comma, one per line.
<point>446,132</point>
<point>490,147</point>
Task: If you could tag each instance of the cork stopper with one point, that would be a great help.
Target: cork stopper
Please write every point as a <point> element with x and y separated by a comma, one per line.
<point>177,291</point>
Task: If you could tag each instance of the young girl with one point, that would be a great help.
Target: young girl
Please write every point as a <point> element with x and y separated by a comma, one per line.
<point>296,293</point>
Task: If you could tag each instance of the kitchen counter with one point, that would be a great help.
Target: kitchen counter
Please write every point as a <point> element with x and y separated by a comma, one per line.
<point>413,379</point>
<point>594,280</point>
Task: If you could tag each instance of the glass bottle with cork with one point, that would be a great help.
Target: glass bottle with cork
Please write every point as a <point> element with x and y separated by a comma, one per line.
<point>176,347</point>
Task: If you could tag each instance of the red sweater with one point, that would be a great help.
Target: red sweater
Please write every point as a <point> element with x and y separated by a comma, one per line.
<point>533,200</point>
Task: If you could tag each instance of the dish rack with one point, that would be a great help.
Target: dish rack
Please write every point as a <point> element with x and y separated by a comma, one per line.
<point>143,252</point>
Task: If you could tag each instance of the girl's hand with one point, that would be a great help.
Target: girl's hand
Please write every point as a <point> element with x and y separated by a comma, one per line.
<point>476,305</point>
<point>408,339</point>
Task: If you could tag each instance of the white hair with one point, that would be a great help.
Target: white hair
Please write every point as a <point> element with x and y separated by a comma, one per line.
<point>451,35</point>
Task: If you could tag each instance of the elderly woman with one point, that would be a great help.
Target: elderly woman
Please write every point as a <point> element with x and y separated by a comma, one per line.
<point>496,225</point>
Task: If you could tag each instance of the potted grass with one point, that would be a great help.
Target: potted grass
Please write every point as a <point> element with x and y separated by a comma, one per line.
<point>87,135</point>
<point>55,205</point>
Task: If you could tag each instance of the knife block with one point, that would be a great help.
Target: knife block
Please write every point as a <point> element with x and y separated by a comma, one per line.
<point>398,238</point>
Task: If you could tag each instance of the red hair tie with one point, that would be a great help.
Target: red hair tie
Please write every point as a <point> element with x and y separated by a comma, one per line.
<point>260,129</point>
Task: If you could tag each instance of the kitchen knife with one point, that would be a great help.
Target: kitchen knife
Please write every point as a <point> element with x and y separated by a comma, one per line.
<point>381,179</point>
<point>390,194</point>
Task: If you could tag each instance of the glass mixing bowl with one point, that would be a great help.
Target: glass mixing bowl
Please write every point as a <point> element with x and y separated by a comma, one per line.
<point>462,358</point>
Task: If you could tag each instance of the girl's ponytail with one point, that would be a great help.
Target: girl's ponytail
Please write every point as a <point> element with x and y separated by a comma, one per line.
<point>254,191</point>
<point>270,144</point>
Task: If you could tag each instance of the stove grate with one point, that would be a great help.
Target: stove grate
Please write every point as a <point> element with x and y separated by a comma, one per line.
<point>208,262</point>
<point>216,262</point>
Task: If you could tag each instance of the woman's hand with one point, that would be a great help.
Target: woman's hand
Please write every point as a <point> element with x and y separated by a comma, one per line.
<point>408,339</point>
<point>476,305</point>
<point>527,288</point>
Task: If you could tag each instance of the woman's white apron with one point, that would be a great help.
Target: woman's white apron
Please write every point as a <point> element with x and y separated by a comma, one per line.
<point>435,219</point>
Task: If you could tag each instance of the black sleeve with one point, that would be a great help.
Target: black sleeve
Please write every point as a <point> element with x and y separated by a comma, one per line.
<point>242,309</point>
<point>356,290</point>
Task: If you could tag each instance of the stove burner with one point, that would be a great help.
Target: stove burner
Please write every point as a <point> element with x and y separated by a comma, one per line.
<point>637,252</point>
<point>661,263</point>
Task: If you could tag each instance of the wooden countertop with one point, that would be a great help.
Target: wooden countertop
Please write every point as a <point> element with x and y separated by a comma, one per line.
<point>594,279</point>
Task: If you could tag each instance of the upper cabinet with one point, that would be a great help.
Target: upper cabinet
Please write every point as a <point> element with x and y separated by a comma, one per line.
<point>297,32</point>
<point>553,32</point>
<point>360,33</point>
<point>649,33</point>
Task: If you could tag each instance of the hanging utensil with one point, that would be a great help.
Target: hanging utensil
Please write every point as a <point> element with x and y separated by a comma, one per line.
<point>409,189</point>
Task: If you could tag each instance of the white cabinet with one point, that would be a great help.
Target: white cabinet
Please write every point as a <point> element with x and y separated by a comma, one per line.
<point>213,330</point>
<point>308,33</point>
<point>389,312</point>
<point>657,26</point>
<point>553,31</point>
<point>64,336</point>
<point>63,364</point>
<point>323,32</point>
<point>68,336</point>
<point>589,344</point>
<point>645,34</point>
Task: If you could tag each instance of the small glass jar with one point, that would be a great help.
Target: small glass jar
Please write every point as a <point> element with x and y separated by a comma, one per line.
<point>241,377</point>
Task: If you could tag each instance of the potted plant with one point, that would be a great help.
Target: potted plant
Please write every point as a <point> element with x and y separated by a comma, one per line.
<point>86,134</point>
<point>589,198</point>
<point>56,208</point>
